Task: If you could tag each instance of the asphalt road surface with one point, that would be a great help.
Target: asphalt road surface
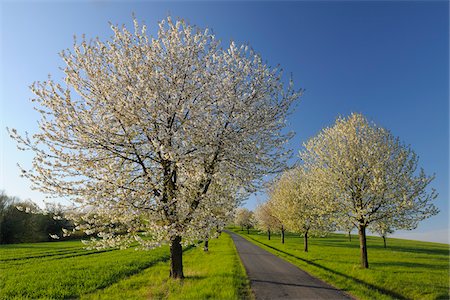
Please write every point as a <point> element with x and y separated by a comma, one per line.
<point>274,278</point>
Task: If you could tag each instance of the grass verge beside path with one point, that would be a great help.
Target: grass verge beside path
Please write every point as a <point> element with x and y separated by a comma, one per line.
<point>217,274</point>
<point>405,270</point>
<point>64,270</point>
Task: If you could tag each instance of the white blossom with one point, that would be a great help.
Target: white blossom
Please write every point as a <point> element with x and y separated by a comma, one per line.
<point>370,175</point>
<point>300,205</point>
<point>157,136</point>
<point>54,236</point>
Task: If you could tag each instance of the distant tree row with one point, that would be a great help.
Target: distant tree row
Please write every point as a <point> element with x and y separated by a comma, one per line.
<point>352,175</point>
<point>18,225</point>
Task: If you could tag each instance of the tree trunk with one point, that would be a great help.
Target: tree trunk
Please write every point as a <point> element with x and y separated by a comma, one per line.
<point>384,241</point>
<point>248,230</point>
<point>268,233</point>
<point>306,241</point>
<point>363,246</point>
<point>176,258</point>
<point>242,228</point>
<point>218,230</point>
<point>205,247</point>
<point>282,234</point>
<point>349,236</point>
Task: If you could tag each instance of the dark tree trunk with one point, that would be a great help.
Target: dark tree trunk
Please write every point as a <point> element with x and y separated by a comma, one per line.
<point>176,258</point>
<point>282,234</point>
<point>306,241</point>
<point>248,230</point>
<point>205,247</point>
<point>268,233</point>
<point>384,241</point>
<point>363,246</point>
<point>349,236</point>
<point>242,228</point>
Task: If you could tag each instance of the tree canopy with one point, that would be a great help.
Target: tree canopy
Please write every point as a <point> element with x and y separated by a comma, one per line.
<point>372,176</point>
<point>143,130</point>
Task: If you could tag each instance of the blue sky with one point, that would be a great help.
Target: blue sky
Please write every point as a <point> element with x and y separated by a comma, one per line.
<point>387,60</point>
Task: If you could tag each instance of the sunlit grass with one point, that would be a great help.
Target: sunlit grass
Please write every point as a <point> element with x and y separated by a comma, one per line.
<point>61,270</point>
<point>217,274</point>
<point>65,270</point>
<point>405,270</point>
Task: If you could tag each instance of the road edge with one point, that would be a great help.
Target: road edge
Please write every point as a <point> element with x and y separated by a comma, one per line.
<point>248,291</point>
<point>265,247</point>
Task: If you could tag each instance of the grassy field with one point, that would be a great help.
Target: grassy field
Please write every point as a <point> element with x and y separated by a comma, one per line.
<point>61,270</point>
<point>404,270</point>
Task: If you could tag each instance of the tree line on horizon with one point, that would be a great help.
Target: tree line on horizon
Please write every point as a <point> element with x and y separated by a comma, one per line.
<point>24,222</point>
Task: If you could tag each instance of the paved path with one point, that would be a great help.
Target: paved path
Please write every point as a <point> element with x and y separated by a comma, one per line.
<point>274,278</point>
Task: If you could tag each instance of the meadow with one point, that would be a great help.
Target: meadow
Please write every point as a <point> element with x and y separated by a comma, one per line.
<point>406,269</point>
<point>64,270</point>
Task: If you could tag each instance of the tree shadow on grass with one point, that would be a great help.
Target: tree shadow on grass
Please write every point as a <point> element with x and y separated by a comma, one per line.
<point>414,250</point>
<point>418,250</point>
<point>340,245</point>
<point>410,265</point>
<point>356,280</point>
<point>120,276</point>
<point>54,253</point>
<point>194,277</point>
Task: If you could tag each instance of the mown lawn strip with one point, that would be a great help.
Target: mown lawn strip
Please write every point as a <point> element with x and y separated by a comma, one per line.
<point>55,271</point>
<point>70,277</point>
<point>216,274</point>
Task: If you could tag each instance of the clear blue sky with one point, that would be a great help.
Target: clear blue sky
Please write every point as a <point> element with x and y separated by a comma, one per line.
<point>387,60</point>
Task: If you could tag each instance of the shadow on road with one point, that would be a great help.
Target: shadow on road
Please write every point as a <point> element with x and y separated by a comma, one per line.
<point>294,284</point>
<point>359,281</point>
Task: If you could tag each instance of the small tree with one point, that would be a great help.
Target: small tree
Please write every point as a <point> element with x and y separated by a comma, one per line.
<point>342,221</point>
<point>219,214</point>
<point>383,228</point>
<point>273,208</point>
<point>265,219</point>
<point>244,218</point>
<point>142,127</point>
<point>348,227</point>
<point>298,204</point>
<point>372,175</point>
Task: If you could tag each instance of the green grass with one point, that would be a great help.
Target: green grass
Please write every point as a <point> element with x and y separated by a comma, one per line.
<point>61,270</point>
<point>405,270</point>
<point>217,274</point>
